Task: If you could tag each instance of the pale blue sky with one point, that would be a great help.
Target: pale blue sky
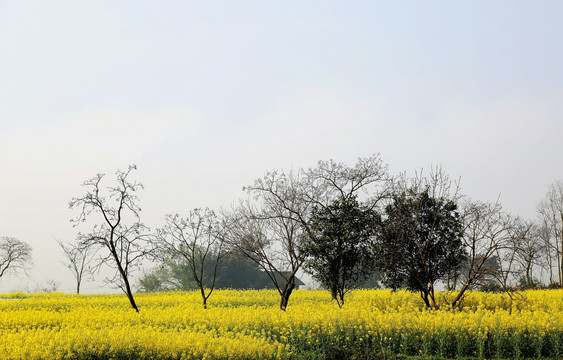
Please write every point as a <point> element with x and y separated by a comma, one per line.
<point>206,96</point>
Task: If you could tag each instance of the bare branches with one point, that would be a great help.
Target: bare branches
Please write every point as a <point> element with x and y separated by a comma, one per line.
<point>14,255</point>
<point>119,230</point>
<point>78,260</point>
<point>199,239</point>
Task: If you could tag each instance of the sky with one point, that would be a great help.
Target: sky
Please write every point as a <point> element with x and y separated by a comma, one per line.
<point>206,96</point>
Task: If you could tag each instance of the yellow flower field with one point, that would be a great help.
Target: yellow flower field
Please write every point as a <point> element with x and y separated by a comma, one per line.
<point>249,325</point>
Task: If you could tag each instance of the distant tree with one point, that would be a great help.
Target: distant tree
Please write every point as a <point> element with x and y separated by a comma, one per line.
<point>153,280</point>
<point>530,250</point>
<point>119,230</point>
<point>78,260</point>
<point>550,211</point>
<point>234,272</point>
<point>199,240</point>
<point>52,286</point>
<point>339,252</point>
<point>14,255</point>
<point>419,242</point>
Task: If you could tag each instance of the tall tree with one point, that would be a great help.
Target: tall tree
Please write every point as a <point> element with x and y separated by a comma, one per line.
<point>14,255</point>
<point>419,242</point>
<point>339,252</point>
<point>118,230</point>
<point>199,240</point>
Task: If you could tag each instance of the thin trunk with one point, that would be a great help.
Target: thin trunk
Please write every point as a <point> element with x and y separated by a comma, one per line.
<point>203,297</point>
<point>128,291</point>
<point>460,294</point>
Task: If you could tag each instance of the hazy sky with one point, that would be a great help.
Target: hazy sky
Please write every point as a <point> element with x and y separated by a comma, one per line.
<point>206,96</point>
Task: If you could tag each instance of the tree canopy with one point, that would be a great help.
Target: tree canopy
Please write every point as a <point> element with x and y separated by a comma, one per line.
<point>339,251</point>
<point>419,242</point>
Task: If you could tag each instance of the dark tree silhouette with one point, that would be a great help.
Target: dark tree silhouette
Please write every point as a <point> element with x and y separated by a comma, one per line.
<point>119,230</point>
<point>340,250</point>
<point>419,243</point>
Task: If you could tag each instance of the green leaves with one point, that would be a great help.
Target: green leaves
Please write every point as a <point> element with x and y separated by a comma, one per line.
<point>339,250</point>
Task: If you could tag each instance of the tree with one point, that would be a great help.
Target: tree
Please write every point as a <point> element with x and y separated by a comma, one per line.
<point>14,255</point>
<point>269,227</point>
<point>485,232</point>
<point>340,251</point>
<point>550,211</point>
<point>78,260</point>
<point>419,242</point>
<point>526,236</point>
<point>199,240</point>
<point>119,231</point>
<point>271,243</point>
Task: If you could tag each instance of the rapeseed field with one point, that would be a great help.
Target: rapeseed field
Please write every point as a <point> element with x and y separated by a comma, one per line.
<point>249,325</point>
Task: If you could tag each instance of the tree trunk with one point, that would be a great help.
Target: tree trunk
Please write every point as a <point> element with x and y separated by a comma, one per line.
<point>203,297</point>
<point>424,296</point>
<point>286,293</point>
<point>130,294</point>
<point>561,256</point>
<point>460,294</point>
<point>128,291</point>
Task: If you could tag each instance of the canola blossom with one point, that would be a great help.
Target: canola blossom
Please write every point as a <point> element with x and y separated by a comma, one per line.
<point>249,325</point>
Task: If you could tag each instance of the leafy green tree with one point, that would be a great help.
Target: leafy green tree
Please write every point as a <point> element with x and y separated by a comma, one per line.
<point>419,242</point>
<point>339,251</point>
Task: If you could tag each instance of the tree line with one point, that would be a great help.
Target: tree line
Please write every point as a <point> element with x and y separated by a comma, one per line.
<point>341,224</point>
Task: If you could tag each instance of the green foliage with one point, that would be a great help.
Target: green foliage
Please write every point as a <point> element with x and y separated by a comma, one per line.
<point>419,242</point>
<point>234,272</point>
<point>339,250</point>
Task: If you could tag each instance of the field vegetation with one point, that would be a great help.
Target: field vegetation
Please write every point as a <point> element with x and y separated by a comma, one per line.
<point>373,324</point>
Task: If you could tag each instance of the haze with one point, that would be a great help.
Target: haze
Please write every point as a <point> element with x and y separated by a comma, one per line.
<point>204,97</point>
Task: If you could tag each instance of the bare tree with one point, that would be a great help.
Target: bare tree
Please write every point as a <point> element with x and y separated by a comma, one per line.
<point>199,239</point>
<point>78,260</point>
<point>272,243</point>
<point>270,226</point>
<point>550,211</point>
<point>119,230</point>
<point>14,255</point>
<point>485,232</point>
<point>530,249</point>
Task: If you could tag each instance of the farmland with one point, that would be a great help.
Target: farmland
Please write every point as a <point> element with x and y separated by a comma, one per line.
<point>249,325</point>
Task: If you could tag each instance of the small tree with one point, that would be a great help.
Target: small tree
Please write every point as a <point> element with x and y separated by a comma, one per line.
<point>419,243</point>
<point>340,250</point>
<point>78,260</point>
<point>199,239</point>
<point>14,255</point>
<point>119,230</point>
